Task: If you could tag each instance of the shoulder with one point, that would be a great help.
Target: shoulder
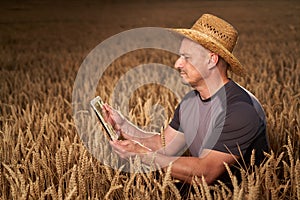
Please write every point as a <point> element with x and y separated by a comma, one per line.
<point>244,113</point>
<point>236,93</point>
<point>237,96</point>
<point>241,126</point>
<point>241,115</point>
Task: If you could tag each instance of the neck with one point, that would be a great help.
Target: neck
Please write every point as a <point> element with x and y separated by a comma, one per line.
<point>209,87</point>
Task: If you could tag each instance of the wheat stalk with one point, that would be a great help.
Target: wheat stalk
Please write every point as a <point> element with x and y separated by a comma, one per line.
<point>147,180</point>
<point>47,192</point>
<point>252,158</point>
<point>23,187</point>
<point>167,180</point>
<point>195,183</point>
<point>297,175</point>
<point>71,193</point>
<point>54,193</point>
<point>174,189</point>
<point>108,172</point>
<point>285,189</point>
<point>206,189</point>
<point>225,187</point>
<point>129,185</point>
<point>286,170</point>
<point>244,182</point>
<point>58,163</point>
<point>72,181</point>
<point>253,186</point>
<point>278,160</point>
<point>63,153</point>
<point>111,190</point>
<point>157,185</point>
<point>61,188</point>
<point>236,188</point>
<point>13,186</point>
<point>241,194</point>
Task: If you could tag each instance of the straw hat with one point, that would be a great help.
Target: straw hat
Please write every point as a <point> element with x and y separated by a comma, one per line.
<point>218,36</point>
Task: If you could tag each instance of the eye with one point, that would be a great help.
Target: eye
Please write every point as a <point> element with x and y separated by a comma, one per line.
<point>186,57</point>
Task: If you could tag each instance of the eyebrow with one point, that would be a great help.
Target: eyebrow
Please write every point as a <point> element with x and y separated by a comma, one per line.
<point>184,54</point>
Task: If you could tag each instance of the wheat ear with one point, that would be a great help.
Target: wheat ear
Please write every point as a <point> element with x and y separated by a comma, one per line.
<point>297,169</point>
<point>166,181</point>
<point>206,189</point>
<point>128,185</point>
<point>196,183</point>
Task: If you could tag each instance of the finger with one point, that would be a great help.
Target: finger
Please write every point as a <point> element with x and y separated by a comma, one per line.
<point>108,107</point>
<point>123,143</point>
<point>106,111</point>
<point>123,153</point>
<point>112,111</point>
<point>126,136</point>
<point>117,146</point>
<point>124,147</point>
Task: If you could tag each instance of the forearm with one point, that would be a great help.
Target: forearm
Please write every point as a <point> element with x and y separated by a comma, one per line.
<point>183,168</point>
<point>180,167</point>
<point>173,142</point>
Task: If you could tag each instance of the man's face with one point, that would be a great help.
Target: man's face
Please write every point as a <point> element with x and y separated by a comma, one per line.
<point>192,63</point>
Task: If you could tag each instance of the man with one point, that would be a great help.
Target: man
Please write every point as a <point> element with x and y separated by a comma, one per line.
<point>219,121</point>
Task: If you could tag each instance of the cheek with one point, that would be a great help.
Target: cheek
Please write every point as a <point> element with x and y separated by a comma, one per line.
<point>196,73</point>
<point>201,68</point>
<point>191,72</point>
<point>194,70</point>
<point>197,65</point>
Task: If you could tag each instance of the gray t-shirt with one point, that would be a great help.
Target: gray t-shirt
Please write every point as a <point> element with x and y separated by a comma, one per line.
<point>231,121</point>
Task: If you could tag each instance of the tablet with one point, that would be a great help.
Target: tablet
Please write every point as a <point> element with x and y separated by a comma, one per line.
<point>97,105</point>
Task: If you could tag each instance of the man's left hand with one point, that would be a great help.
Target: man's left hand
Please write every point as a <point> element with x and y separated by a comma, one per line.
<point>128,148</point>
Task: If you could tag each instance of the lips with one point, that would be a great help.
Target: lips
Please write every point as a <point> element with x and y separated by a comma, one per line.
<point>182,73</point>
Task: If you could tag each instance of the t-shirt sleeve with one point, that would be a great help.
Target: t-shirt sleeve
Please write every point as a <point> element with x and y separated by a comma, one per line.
<point>175,122</point>
<point>239,129</point>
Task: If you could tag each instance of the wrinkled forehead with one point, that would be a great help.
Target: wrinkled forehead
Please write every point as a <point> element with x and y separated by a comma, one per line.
<point>189,46</point>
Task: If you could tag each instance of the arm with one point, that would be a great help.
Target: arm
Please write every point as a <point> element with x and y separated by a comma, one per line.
<point>210,166</point>
<point>174,140</point>
<point>129,131</point>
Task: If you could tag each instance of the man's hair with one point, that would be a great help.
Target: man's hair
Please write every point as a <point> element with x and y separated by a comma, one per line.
<point>222,65</point>
<point>222,62</point>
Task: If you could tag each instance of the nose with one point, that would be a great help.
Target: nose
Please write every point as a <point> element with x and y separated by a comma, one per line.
<point>180,62</point>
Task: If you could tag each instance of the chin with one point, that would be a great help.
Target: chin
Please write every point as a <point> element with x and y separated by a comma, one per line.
<point>184,82</point>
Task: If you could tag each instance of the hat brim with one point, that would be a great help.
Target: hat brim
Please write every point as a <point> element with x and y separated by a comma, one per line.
<point>214,46</point>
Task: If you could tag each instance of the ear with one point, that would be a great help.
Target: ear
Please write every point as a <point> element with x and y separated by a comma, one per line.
<point>213,60</point>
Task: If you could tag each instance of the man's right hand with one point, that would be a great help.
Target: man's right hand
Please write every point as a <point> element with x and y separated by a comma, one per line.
<point>113,117</point>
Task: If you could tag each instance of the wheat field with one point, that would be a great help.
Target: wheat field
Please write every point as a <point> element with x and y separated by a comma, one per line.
<point>42,45</point>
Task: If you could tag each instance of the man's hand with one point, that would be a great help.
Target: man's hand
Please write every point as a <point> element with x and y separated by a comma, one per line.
<point>113,117</point>
<point>128,148</point>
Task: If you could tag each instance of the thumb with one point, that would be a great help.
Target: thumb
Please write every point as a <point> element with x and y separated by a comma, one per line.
<point>106,107</point>
<point>124,136</point>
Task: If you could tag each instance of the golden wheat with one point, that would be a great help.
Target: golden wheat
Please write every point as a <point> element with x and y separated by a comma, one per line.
<point>43,157</point>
